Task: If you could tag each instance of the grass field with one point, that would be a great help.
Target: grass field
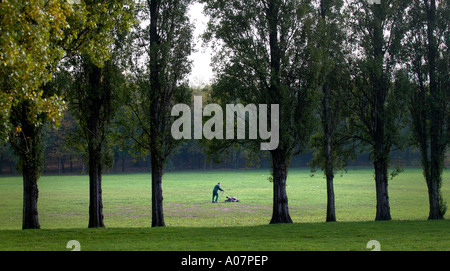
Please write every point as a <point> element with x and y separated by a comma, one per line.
<point>194,223</point>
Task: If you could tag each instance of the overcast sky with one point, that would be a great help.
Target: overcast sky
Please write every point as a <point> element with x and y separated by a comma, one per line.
<point>201,70</point>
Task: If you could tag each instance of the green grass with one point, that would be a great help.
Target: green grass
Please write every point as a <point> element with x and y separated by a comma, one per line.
<point>354,236</point>
<point>194,223</point>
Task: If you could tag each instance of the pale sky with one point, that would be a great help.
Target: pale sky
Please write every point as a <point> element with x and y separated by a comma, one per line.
<point>201,70</point>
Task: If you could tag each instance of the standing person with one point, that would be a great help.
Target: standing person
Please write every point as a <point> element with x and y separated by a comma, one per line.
<point>215,192</point>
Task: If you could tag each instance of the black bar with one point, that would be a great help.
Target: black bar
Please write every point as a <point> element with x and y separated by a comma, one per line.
<point>223,260</point>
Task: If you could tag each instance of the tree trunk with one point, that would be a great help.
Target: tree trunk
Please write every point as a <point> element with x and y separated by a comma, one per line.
<point>326,121</point>
<point>155,113</point>
<point>381,183</point>
<point>329,172</point>
<point>422,133</point>
<point>280,212</point>
<point>95,177</point>
<point>381,145</point>
<point>437,134</point>
<point>95,189</point>
<point>429,170</point>
<point>328,134</point>
<point>381,165</point>
<point>433,196</point>
<point>30,199</point>
<point>437,156</point>
<point>157,193</point>
<point>28,146</point>
<point>95,140</point>
<point>331,210</point>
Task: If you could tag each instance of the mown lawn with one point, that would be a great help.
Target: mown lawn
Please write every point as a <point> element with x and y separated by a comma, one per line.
<point>194,223</point>
<point>341,236</point>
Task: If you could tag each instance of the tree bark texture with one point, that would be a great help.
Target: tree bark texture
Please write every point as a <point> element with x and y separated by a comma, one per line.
<point>380,138</point>
<point>329,172</point>
<point>328,136</point>
<point>95,188</point>
<point>155,120</point>
<point>433,196</point>
<point>381,186</point>
<point>95,139</point>
<point>157,193</point>
<point>280,213</point>
<point>437,131</point>
<point>30,218</point>
<point>31,170</point>
<point>28,146</point>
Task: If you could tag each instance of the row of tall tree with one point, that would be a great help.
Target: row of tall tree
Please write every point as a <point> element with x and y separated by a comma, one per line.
<point>363,71</point>
<point>348,76</point>
<point>63,157</point>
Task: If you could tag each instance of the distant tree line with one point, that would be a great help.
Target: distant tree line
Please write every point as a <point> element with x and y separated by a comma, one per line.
<point>63,159</point>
